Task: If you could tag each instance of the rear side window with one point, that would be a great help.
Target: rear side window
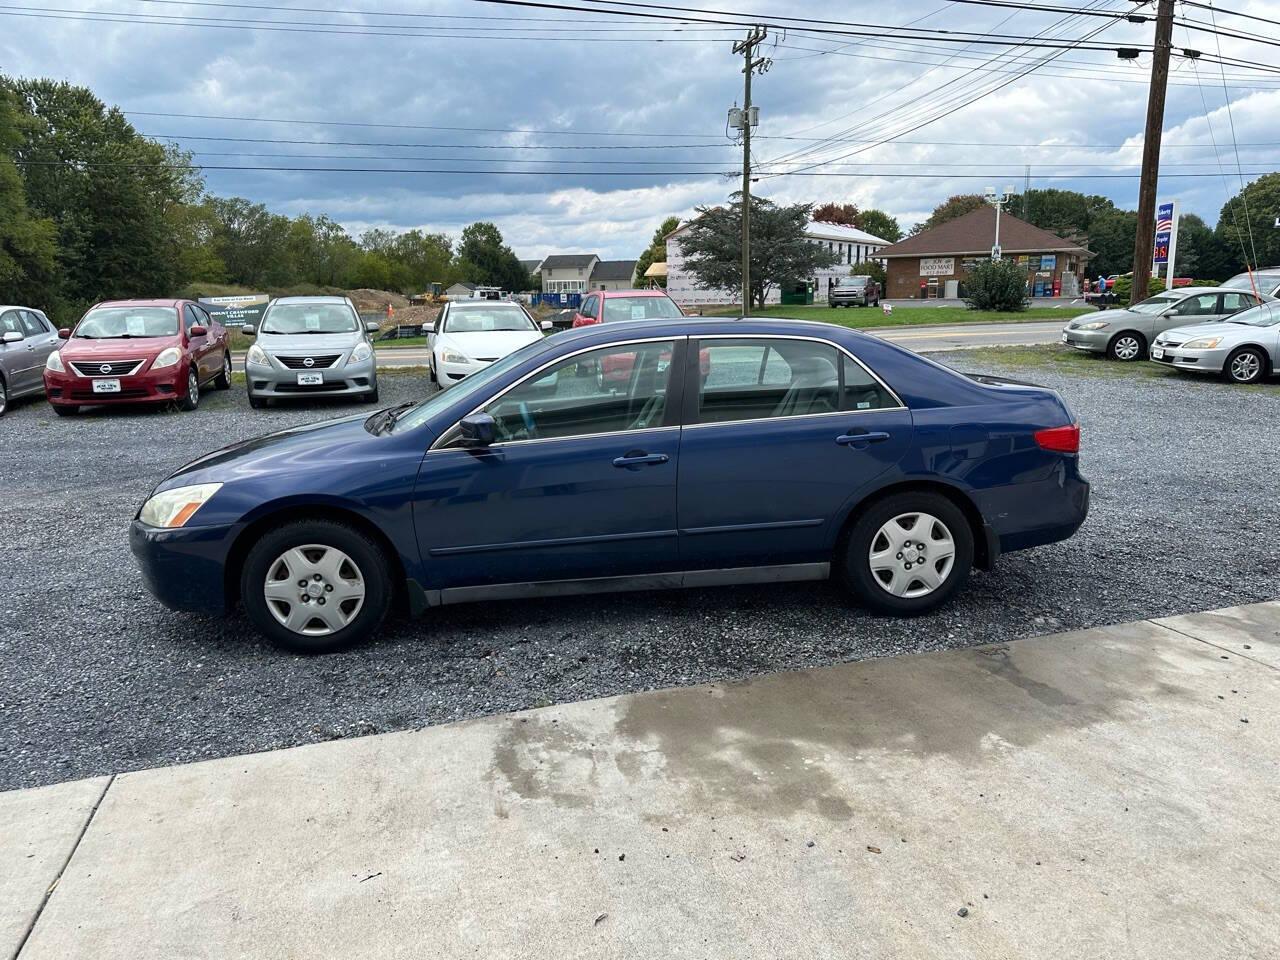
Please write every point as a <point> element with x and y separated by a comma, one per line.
<point>1235,302</point>
<point>860,390</point>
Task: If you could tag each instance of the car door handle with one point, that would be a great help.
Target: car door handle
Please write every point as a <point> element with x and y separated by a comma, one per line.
<point>640,459</point>
<point>859,440</point>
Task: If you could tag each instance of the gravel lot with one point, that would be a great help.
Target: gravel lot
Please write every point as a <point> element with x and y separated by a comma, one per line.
<point>96,677</point>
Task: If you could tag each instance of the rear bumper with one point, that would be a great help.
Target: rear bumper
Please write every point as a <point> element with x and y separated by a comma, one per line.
<point>1029,515</point>
<point>159,386</point>
<point>185,568</point>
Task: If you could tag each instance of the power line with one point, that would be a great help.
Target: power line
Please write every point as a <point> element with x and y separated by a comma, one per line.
<point>1244,197</point>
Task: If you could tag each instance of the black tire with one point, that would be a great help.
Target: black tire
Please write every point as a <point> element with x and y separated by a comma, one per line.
<point>4,397</point>
<point>365,554</point>
<point>371,396</point>
<point>1127,346</point>
<point>65,411</point>
<point>832,304</point>
<point>853,563</point>
<point>257,403</point>
<point>223,380</point>
<point>1245,365</point>
<point>191,399</point>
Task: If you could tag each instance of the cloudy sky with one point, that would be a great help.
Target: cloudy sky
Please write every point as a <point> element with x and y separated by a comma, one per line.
<point>619,121</point>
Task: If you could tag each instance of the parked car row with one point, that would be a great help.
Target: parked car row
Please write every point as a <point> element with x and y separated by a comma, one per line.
<point>1229,331</point>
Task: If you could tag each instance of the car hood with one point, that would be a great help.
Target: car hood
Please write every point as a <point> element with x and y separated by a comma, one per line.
<point>1198,330</point>
<point>132,348</point>
<point>1112,317</point>
<point>297,449</point>
<point>492,344</point>
<point>307,343</point>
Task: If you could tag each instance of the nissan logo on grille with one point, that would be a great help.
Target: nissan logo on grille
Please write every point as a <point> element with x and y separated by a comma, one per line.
<point>309,362</point>
<point>105,368</point>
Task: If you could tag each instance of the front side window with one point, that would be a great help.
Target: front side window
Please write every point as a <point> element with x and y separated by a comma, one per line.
<point>12,323</point>
<point>761,379</point>
<point>1205,305</point>
<point>189,318</point>
<point>303,318</point>
<point>639,308</point>
<point>114,323</point>
<point>611,390</point>
<point>32,324</point>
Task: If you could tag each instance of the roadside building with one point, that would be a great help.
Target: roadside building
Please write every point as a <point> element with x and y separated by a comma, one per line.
<point>935,262</point>
<point>580,272</point>
<point>613,275</point>
<point>852,247</point>
<point>459,291</point>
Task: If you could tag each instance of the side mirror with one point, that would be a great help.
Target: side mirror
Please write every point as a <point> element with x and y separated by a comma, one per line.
<point>197,331</point>
<point>12,336</point>
<point>249,330</point>
<point>477,430</point>
<point>371,326</point>
<point>64,333</point>
<point>547,325</point>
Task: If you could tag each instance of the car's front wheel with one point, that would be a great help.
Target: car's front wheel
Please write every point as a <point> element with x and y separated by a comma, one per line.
<point>223,380</point>
<point>4,397</point>
<point>65,411</point>
<point>1246,365</point>
<point>1127,346</point>
<point>907,553</point>
<point>316,586</point>
<point>192,398</point>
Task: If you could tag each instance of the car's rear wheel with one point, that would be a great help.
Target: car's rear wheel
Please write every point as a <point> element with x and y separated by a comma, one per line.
<point>223,380</point>
<point>1246,365</point>
<point>316,586</point>
<point>4,397</point>
<point>906,554</point>
<point>65,411</point>
<point>192,398</point>
<point>1127,346</point>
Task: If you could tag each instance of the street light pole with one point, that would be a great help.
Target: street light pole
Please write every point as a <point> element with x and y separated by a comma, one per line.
<point>998,201</point>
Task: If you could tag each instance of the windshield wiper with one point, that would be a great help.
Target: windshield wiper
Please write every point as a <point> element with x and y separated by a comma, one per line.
<point>384,419</point>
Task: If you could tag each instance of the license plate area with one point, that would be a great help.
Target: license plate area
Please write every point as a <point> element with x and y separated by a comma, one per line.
<point>313,379</point>
<point>1157,353</point>
<point>106,386</point>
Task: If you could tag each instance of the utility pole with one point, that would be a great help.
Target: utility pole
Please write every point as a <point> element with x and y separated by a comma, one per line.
<point>748,118</point>
<point>1144,242</point>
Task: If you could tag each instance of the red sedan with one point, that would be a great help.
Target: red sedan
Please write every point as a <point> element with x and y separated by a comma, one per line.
<point>606,306</point>
<point>138,351</point>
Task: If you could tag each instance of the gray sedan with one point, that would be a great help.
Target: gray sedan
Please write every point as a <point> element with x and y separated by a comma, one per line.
<point>1126,334</point>
<point>311,346</point>
<point>1243,350</point>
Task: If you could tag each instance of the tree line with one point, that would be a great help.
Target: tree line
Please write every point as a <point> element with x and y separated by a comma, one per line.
<point>92,210</point>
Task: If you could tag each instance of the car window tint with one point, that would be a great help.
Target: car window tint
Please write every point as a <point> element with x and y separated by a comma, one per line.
<point>862,391</point>
<point>189,318</point>
<point>754,379</point>
<point>31,323</point>
<point>1202,306</point>
<point>1233,302</point>
<point>610,390</point>
<point>10,322</point>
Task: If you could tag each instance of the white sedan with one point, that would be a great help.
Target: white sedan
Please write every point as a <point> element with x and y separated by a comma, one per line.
<point>470,335</point>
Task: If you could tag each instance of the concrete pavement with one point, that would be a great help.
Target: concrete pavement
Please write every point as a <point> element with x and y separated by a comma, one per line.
<point>1103,793</point>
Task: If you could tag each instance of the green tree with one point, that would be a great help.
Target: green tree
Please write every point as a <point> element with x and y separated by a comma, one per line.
<point>253,243</point>
<point>494,263</point>
<point>997,285</point>
<point>950,209</point>
<point>781,251</point>
<point>1111,237</point>
<point>28,248</point>
<point>656,252</point>
<point>1246,224</point>
<point>1061,212</point>
<point>1202,253</point>
<point>880,224</point>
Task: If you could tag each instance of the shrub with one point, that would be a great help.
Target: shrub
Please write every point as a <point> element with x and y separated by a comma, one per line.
<point>869,268</point>
<point>997,285</point>
<point>1124,288</point>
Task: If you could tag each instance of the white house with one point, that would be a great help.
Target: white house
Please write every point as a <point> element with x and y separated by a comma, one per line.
<point>851,245</point>
<point>580,272</point>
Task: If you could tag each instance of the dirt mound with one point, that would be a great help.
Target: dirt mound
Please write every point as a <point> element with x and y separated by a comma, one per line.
<point>375,301</point>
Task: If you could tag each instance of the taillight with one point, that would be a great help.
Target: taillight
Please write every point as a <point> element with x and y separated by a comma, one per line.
<point>1061,439</point>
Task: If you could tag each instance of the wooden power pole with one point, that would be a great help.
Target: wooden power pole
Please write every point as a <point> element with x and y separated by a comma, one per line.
<point>747,48</point>
<point>1144,242</point>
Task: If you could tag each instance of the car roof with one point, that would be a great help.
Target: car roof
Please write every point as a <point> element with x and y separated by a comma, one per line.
<point>606,294</point>
<point>710,326</point>
<point>142,303</point>
<point>480,302</point>
<point>18,306</point>
<point>316,299</point>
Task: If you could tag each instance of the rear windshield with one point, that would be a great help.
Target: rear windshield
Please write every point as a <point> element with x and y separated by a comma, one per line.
<point>310,318</point>
<point>120,323</point>
<point>639,308</point>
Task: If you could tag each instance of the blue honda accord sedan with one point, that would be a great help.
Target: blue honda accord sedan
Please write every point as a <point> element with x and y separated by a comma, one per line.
<point>625,456</point>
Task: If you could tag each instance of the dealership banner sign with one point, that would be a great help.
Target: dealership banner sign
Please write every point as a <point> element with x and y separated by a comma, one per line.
<point>237,311</point>
<point>937,266</point>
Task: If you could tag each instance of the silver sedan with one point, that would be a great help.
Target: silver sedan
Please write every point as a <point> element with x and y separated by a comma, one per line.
<point>1126,334</point>
<point>1243,350</point>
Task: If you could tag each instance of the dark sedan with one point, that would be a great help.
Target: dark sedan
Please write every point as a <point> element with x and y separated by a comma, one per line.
<point>735,451</point>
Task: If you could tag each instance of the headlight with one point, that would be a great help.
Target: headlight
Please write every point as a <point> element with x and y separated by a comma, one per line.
<point>54,363</point>
<point>1094,325</point>
<point>362,352</point>
<point>450,356</point>
<point>168,357</point>
<point>258,355</point>
<point>1203,343</point>
<point>173,508</point>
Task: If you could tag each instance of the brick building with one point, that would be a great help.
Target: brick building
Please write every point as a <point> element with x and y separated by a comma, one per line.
<point>934,263</point>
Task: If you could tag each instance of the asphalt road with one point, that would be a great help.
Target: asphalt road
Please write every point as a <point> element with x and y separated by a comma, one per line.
<point>96,677</point>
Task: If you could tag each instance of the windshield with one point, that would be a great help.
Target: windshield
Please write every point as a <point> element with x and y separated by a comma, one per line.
<point>639,308</point>
<point>309,318</point>
<point>1155,304</point>
<point>853,282</point>
<point>472,386</point>
<point>486,319</point>
<point>109,323</point>
<point>1263,315</point>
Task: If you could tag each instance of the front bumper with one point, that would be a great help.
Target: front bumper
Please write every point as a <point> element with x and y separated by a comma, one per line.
<point>1095,341</point>
<point>447,373</point>
<point>184,568</point>
<point>1196,361</point>
<point>344,378</point>
<point>159,386</point>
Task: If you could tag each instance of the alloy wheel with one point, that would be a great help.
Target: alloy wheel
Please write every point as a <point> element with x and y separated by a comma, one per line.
<point>1245,367</point>
<point>193,386</point>
<point>912,555</point>
<point>226,367</point>
<point>314,590</point>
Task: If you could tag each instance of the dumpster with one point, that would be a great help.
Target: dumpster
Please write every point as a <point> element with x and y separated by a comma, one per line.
<point>797,291</point>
